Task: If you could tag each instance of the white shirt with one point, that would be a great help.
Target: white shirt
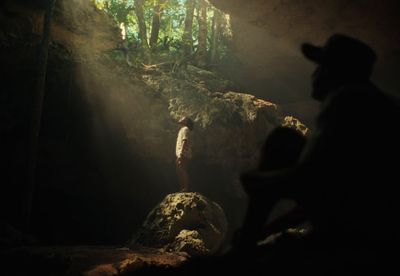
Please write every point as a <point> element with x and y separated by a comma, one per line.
<point>183,135</point>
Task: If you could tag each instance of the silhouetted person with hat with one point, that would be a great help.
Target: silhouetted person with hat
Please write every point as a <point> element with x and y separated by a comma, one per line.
<point>346,177</point>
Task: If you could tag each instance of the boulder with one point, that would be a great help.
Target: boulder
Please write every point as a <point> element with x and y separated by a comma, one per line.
<point>187,222</point>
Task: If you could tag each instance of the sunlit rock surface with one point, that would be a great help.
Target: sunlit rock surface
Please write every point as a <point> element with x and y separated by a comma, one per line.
<point>187,222</point>
<point>189,241</point>
<point>219,116</point>
<point>292,122</point>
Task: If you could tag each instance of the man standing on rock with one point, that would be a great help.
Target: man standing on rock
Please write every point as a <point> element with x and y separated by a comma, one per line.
<point>183,152</point>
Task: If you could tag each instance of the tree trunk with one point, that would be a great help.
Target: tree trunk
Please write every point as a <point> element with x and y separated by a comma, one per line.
<point>39,91</point>
<point>215,36</point>
<point>187,38</point>
<point>125,43</point>
<point>155,27</point>
<point>142,23</point>
<point>202,48</point>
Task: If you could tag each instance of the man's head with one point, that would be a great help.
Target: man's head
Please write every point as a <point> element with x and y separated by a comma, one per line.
<point>341,60</point>
<point>186,121</point>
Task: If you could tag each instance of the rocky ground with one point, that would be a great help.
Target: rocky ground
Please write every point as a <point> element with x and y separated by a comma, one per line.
<point>88,261</point>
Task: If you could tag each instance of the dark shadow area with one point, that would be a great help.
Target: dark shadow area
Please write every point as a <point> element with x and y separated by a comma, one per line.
<point>83,183</point>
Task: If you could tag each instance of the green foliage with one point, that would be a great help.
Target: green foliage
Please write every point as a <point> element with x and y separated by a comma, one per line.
<point>173,14</point>
<point>118,9</point>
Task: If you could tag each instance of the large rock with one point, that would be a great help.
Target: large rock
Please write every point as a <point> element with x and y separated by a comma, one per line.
<point>187,222</point>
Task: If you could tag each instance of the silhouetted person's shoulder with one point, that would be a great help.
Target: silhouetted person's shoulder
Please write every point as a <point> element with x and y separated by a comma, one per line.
<point>351,103</point>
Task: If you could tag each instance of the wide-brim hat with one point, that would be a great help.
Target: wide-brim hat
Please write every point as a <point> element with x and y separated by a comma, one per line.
<point>342,52</point>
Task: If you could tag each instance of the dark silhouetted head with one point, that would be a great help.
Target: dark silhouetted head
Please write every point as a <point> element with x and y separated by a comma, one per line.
<point>341,60</point>
<point>282,149</point>
<point>186,121</point>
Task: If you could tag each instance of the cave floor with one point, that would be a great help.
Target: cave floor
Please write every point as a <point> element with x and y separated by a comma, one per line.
<point>85,260</point>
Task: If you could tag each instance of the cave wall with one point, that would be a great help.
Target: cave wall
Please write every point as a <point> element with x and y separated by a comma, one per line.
<point>91,185</point>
